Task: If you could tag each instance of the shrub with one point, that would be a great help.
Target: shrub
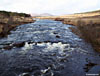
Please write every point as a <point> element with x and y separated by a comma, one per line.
<point>14,14</point>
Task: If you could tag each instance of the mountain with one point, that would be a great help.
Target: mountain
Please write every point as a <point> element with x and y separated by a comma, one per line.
<point>97,11</point>
<point>46,14</point>
<point>41,15</point>
<point>83,14</point>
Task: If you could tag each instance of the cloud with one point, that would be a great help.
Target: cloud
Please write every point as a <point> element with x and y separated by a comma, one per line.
<point>49,6</point>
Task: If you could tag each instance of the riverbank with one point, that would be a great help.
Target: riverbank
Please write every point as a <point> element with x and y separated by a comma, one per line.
<point>10,20</point>
<point>88,28</point>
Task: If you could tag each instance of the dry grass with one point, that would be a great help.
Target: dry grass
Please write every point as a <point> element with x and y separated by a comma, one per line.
<point>11,23</point>
<point>91,33</point>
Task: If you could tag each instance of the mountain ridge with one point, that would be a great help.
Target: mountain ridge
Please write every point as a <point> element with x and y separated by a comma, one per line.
<point>41,15</point>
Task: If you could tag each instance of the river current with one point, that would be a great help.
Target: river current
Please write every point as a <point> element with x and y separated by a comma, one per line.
<point>46,48</point>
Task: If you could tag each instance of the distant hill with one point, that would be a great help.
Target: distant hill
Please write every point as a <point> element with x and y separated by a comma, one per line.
<point>97,11</point>
<point>84,14</point>
<point>41,15</point>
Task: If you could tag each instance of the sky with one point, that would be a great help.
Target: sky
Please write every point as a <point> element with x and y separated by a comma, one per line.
<point>55,7</point>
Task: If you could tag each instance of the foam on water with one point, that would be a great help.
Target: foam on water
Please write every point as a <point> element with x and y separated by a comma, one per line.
<point>55,46</point>
<point>41,44</point>
<point>26,48</point>
<point>60,47</point>
<point>48,47</point>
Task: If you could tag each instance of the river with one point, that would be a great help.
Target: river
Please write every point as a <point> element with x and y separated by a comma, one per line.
<point>46,48</point>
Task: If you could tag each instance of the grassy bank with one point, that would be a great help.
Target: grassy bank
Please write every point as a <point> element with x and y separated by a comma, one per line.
<point>91,33</point>
<point>9,20</point>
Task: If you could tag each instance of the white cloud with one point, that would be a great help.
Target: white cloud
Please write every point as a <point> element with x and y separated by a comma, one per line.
<point>49,6</point>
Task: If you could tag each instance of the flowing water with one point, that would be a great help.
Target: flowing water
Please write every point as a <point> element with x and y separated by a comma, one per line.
<point>46,48</point>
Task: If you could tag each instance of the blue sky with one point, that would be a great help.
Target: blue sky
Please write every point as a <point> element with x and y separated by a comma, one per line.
<point>56,7</point>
